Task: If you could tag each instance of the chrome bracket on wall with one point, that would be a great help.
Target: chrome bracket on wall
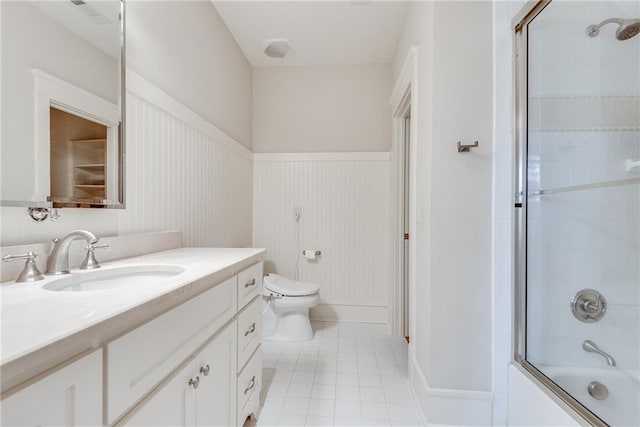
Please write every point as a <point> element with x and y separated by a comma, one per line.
<point>466,148</point>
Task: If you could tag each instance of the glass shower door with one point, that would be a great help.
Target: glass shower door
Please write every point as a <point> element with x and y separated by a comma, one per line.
<point>582,203</point>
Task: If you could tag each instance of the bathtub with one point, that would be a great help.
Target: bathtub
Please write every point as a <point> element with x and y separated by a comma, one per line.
<point>620,408</point>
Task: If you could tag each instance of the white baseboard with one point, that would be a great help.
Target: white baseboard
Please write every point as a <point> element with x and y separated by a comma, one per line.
<point>449,406</point>
<point>349,313</point>
<point>360,156</point>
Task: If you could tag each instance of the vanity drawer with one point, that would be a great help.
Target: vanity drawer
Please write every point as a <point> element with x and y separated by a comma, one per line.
<point>249,330</point>
<point>249,284</point>
<point>249,385</point>
<point>251,407</point>
<point>139,360</point>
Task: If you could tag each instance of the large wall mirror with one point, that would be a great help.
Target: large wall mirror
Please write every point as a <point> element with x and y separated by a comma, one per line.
<point>62,103</point>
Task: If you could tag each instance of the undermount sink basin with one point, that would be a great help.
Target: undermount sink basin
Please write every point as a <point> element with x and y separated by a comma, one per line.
<point>113,278</point>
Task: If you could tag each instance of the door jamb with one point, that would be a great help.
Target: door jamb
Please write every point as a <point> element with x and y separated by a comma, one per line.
<point>403,98</point>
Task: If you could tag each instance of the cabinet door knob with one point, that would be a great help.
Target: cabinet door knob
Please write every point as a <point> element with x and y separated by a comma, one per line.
<point>204,370</point>
<point>194,382</point>
<point>252,384</point>
<point>250,283</point>
<point>251,329</point>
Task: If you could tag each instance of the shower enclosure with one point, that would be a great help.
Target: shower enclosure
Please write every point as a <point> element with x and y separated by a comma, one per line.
<point>578,204</point>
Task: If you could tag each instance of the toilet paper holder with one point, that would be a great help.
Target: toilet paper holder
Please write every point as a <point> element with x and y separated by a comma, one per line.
<point>317,253</point>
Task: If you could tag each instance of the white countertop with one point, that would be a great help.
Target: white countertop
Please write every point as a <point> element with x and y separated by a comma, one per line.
<point>54,325</point>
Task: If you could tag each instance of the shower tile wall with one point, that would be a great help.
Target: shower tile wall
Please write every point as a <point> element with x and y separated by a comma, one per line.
<point>584,124</point>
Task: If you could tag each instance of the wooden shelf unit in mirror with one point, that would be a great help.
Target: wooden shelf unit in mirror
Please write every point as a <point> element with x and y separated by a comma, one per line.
<point>89,172</point>
<point>78,159</point>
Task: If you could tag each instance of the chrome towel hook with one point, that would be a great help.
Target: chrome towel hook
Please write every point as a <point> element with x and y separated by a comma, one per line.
<point>466,148</point>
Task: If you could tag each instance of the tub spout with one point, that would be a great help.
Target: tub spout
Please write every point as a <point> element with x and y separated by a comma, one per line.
<point>591,347</point>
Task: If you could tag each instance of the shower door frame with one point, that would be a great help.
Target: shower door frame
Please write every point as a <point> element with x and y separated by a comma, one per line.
<point>520,125</point>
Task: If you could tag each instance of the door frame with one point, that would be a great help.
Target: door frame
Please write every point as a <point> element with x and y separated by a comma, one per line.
<point>403,99</point>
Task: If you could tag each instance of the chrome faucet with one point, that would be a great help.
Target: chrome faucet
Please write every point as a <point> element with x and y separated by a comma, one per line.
<point>591,347</point>
<point>58,261</point>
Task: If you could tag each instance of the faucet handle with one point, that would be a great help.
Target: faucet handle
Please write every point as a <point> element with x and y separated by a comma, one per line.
<point>90,261</point>
<point>30,273</point>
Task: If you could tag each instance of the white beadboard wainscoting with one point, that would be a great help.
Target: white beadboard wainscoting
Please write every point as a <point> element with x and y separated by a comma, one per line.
<point>183,173</point>
<point>344,199</point>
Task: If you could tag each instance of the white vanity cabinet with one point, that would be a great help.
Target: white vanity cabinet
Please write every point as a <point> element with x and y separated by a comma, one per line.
<point>200,393</point>
<point>71,396</point>
<point>197,364</point>
<point>249,339</point>
<point>142,358</point>
<point>172,371</point>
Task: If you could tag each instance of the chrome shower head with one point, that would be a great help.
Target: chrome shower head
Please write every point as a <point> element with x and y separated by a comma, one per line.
<point>627,28</point>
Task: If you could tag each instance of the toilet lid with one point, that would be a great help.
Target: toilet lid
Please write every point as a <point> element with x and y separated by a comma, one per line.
<point>283,286</point>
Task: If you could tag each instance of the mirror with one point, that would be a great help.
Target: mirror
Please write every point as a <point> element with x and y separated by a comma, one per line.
<point>62,103</point>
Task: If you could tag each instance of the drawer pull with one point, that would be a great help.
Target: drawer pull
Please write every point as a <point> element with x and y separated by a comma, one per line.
<point>252,384</point>
<point>194,382</point>
<point>251,330</point>
<point>250,283</point>
<point>204,370</point>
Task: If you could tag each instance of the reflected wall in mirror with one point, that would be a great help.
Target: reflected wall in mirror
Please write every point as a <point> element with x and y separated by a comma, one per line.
<point>62,85</point>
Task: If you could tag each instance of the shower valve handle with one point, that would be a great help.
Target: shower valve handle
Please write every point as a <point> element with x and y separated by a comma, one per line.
<point>592,306</point>
<point>588,305</point>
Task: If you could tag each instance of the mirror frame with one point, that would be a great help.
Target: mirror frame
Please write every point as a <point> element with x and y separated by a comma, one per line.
<point>42,201</point>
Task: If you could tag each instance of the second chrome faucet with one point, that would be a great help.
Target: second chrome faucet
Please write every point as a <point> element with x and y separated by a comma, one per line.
<point>58,261</point>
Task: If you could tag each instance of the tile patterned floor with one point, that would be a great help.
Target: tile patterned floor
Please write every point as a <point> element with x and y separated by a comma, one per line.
<point>350,374</point>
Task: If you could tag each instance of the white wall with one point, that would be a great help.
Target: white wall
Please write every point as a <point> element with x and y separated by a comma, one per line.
<point>326,133</point>
<point>454,191</point>
<point>184,174</point>
<point>31,39</point>
<point>344,198</point>
<point>321,109</point>
<point>503,211</point>
<point>182,171</point>
<point>461,196</point>
<point>453,255</point>
<point>186,49</point>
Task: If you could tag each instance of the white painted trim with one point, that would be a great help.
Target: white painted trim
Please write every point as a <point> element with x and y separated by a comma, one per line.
<point>52,91</point>
<point>381,156</point>
<point>75,99</point>
<point>419,384</point>
<point>139,86</point>
<point>408,71</point>
<point>440,406</point>
<point>406,85</point>
<point>349,313</point>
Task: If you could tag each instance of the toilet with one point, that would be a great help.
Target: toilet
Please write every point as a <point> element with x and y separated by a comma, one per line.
<point>286,317</point>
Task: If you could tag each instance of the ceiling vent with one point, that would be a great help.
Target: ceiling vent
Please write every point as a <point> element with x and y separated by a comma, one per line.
<point>277,48</point>
<point>92,14</point>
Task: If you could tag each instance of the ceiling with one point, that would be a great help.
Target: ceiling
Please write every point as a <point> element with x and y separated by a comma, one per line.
<point>96,21</point>
<point>320,32</point>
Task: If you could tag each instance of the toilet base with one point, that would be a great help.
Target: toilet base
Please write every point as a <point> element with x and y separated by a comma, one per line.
<point>291,326</point>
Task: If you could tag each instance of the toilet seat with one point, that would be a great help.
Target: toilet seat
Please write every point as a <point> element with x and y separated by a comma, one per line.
<point>287,287</point>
